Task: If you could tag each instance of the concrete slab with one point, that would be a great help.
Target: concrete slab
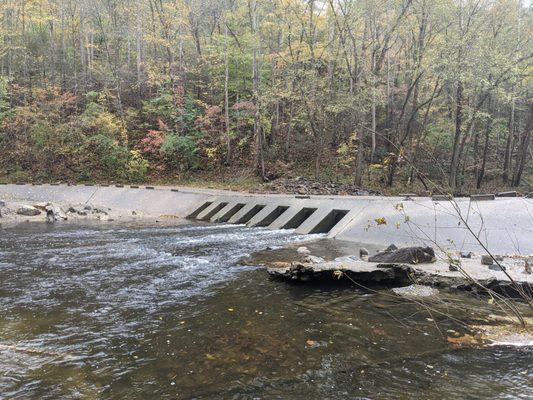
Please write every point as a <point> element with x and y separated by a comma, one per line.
<point>222,212</point>
<point>245,210</point>
<point>230,213</point>
<point>314,220</point>
<point>261,215</point>
<point>285,217</point>
<point>208,212</point>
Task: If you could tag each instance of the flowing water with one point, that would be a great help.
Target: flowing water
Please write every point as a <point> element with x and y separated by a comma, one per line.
<point>167,312</point>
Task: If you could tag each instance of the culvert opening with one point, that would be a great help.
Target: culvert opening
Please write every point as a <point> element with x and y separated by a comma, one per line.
<point>196,212</point>
<point>250,214</point>
<point>299,218</point>
<point>332,219</point>
<point>234,210</point>
<point>215,210</point>
<point>274,215</point>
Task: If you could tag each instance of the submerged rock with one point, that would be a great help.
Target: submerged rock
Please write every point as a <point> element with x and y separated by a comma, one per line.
<point>409,255</point>
<point>303,250</point>
<point>416,291</point>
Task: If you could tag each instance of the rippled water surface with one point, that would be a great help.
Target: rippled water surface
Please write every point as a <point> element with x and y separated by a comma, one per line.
<point>167,312</point>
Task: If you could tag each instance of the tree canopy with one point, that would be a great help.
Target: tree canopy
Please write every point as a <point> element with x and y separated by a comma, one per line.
<point>378,92</point>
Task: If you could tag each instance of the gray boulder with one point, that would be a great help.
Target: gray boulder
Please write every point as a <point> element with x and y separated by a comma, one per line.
<point>406,255</point>
<point>496,267</point>
<point>28,211</point>
<point>486,260</point>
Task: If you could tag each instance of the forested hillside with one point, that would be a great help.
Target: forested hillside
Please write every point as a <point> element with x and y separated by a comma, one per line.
<point>380,93</point>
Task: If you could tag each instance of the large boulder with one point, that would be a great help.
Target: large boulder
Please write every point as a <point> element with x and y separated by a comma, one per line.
<point>406,255</point>
<point>28,211</point>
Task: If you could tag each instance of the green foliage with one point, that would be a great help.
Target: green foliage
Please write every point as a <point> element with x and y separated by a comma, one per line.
<point>180,151</point>
<point>110,156</point>
<point>4,98</point>
<point>137,167</point>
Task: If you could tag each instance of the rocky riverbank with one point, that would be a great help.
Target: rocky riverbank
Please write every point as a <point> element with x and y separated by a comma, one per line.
<point>303,186</point>
<point>508,275</point>
<point>15,211</point>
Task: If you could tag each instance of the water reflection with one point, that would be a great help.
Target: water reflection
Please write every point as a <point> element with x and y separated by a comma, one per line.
<point>167,312</point>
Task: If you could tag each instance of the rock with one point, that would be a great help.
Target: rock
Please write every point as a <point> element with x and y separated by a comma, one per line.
<point>314,259</point>
<point>57,212</point>
<point>408,255</point>
<point>50,216</point>
<point>303,250</point>
<point>496,267</point>
<point>453,268</point>
<point>28,211</point>
<point>42,206</point>
<point>466,255</point>
<point>87,208</point>
<point>2,203</point>
<point>392,247</point>
<point>486,259</point>
<point>363,252</point>
<point>528,266</point>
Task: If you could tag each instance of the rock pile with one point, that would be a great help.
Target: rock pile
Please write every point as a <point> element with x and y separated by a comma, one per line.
<point>303,186</point>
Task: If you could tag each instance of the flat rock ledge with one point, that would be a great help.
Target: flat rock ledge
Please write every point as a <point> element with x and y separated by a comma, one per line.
<point>471,276</point>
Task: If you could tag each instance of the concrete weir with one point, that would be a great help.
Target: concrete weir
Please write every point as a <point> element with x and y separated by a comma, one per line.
<point>503,224</point>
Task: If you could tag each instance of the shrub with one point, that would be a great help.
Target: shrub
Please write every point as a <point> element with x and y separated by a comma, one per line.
<point>180,151</point>
<point>110,157</point>
<point>137,167</point>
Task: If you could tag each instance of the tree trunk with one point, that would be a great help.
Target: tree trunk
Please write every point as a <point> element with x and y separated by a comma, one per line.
<point>226,85</point>
<point>523,155</point>
<point>509,145</point>
<point>454,165</point>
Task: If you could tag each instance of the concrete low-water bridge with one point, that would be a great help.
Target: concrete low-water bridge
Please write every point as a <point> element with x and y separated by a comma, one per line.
<point>502,224</point>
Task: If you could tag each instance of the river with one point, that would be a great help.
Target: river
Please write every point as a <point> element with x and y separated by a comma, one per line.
<point>150,311</point>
